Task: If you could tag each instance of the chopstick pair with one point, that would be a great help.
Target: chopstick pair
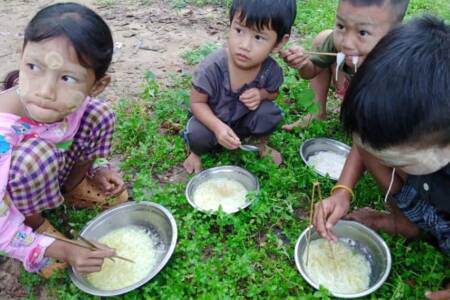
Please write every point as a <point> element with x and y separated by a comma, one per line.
<point>321,53</point>
<point>316,186</point>
<point>91,246</point>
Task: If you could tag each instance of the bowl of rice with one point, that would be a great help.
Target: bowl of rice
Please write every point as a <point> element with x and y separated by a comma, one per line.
<point>144,232</point>
<point>326,156</point>
<point>224,187</point>
<point>354,266</point>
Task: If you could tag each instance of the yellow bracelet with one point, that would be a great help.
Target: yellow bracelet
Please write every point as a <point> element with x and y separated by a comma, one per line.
<point>344,187</point>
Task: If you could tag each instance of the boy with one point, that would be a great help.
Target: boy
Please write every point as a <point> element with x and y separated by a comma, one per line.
<point>400,119</point>
<point>234,88</point>
<point>360,24</point>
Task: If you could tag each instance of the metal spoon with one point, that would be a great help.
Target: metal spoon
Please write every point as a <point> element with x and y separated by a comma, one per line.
<point>249,147</point>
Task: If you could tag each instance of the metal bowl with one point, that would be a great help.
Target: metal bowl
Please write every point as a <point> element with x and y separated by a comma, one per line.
<point>241,175</point>
<point>313,146</point>
<point>154,217</point>
<point>360,237</point>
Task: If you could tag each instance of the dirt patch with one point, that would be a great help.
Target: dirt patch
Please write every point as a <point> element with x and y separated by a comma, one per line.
<point>148,37</point>
<point>10,287</point>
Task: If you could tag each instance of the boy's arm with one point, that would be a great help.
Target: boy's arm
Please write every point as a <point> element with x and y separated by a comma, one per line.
<point>309,70</point>
<point>296,58</point>
<point>336,206</point>
<point>266,95</point>
<point>253,97</point>
<point>201,110</point>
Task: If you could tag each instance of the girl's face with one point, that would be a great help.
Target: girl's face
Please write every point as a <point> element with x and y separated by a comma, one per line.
<point>410,159</point>
<point>52,82</point>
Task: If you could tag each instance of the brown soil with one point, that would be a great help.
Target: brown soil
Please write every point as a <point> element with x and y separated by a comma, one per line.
<point>148,35</point>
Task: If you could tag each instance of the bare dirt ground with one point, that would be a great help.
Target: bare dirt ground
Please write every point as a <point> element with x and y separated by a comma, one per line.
<point>148,35</point>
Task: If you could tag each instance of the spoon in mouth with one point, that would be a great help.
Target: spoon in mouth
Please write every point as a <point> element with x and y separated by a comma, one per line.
<point>249,147</point>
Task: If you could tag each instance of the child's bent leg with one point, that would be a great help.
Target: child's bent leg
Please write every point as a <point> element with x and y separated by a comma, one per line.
<point>320,85</point>
<point>394,221</point>
<point>261,123</point>
<point>93,140</point>
<point>33,183</point>
<point>200,140</point>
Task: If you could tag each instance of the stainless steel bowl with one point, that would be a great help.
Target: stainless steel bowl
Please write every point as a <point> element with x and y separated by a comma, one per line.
<point>241,175</point>
<point>313,146</point>
<point>150,215</point>
<point>365,240</point>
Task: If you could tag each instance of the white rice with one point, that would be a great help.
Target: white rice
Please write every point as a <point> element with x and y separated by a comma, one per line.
<point>220,192</point>
<point>328,162</point>
<point>135,243</point>
<point>340,58</point>
<point>355,62</point>
<point>337,267</point>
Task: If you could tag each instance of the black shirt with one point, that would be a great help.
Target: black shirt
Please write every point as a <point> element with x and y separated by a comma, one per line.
<point>435,188</point>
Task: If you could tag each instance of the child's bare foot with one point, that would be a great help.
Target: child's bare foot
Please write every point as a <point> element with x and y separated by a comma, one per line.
<point>265,150</point>
<point>192,163</point>
<point>303,122</point>
<point>389,222</point>
<point>439,295</point>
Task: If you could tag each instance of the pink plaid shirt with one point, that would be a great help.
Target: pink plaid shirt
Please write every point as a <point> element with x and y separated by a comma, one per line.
<point>16,239</point>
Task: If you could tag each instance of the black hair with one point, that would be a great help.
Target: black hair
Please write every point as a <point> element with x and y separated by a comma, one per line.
<point>399,6</point>
<point>278,15</point>
<point>86,30</point>
<point>401,94</point>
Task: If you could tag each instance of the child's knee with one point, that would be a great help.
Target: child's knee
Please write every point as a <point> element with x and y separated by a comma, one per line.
<point>33,183</point>
<point>265,119</point>
<point>30,155</point>
<point>320,38</point>
<point>199,139</point>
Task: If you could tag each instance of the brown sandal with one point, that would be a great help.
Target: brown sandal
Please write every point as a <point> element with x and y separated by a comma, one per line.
<point>87,195</point>
<point>55,265</point>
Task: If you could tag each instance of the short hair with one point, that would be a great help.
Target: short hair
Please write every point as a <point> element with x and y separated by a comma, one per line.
<point>278,15</point>
<point>399,6</point>
<point>401,94</point>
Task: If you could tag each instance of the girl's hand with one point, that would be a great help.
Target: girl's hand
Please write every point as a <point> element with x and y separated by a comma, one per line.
<point>87,261</point>
<point>108,180</point>
<point>251,98</point>
<point>226,137</point>
<point>295,57</point>
<point>334,208</point>
<point>81,259</point>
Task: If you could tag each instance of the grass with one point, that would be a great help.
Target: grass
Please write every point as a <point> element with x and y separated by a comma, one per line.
<point>249,254</point>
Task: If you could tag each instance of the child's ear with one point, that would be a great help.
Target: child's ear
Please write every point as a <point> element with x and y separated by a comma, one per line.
<point>281,44</point>
<point>100,86</point>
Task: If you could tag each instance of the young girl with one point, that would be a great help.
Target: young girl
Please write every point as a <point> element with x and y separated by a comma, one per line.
<point>51,131</point>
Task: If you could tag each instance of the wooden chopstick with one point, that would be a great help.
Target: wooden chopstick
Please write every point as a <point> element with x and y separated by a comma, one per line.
<point>93,246</point>
<point>311,214</point>
<point>321,53</point>
<point>316,185</point>
<point>84,246</point>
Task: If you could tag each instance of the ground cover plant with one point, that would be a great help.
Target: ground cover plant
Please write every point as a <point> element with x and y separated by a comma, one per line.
<point>249,254</point>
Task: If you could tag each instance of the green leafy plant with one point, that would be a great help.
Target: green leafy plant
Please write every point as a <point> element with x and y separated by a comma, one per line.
<point>248,255</point>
